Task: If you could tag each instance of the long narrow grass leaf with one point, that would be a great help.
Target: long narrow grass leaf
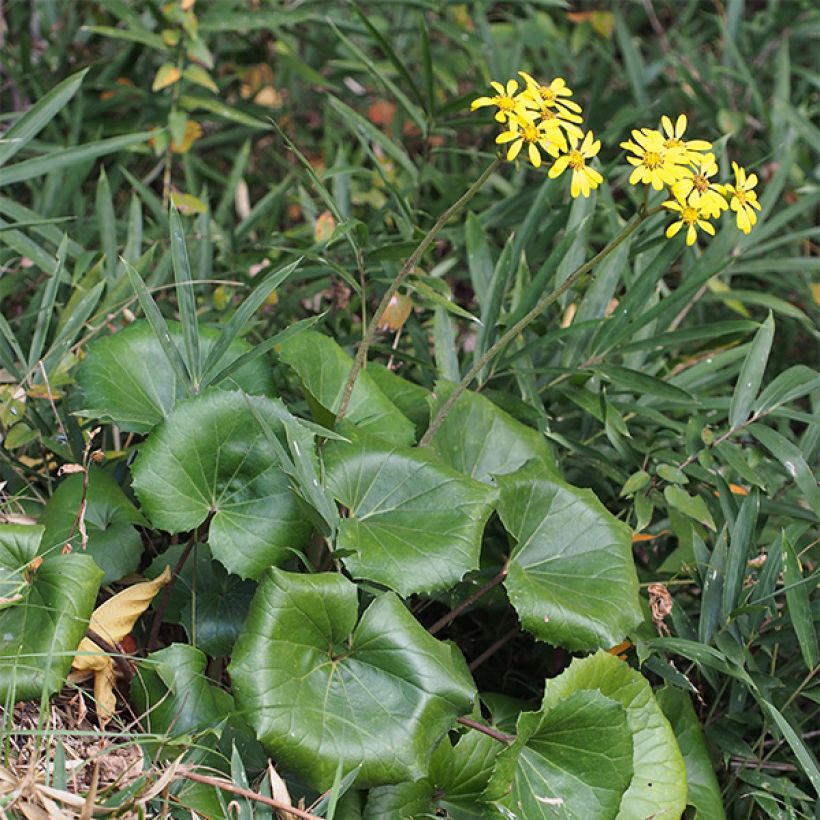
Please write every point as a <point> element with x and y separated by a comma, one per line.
<point>185,295</point>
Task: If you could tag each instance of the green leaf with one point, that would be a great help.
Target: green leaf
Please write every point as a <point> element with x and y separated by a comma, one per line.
<point>113,541</point>
<point>39,116</point>
<point>198,75</point>
<point>793,462</point>
<point>324,691</point>
<point>323,368</point>
<point>807,760</point>
<point>44,613</point>
<point>658,786</point>
<point>740,546</point>
<point>210,603</point>
<point>132,35</point>
<point>453,787</point>
<point>126,379</point>
<point>799,603</point>
<point>414,524</point>
<point>571,760</point>
<point>703,789</point>
<point>216,106</point>
<point>644,384</point>
<point>482,441</point>
<point>186,297</point>
<point>690,505</point>
<point>787,386</point>
<point>182,476</point>
<point>751,374</point>
<point>571,576</point>
<point>409,397</point>
<point>45,314</point>
<point>107,226</point>
<point>54,161</point>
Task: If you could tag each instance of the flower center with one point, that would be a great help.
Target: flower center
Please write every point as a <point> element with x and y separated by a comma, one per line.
<point>547,95</point>
<point>700,183</point>
<point>547,114</point>
<point>689,215</point>
<point>530,133</point>
<point>740,195</point>
<point>576,160</point>
<point>652,160</point>
<point>504,103</point>
<point>673,142</point>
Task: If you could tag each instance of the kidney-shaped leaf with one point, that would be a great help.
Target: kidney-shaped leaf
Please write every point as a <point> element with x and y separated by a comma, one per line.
<point>323,368</point>
<point>658,785</point>
<point>324,691</point>
<point>454,786</point>
<point>126,378</point>
<point>44,611</point>
<point>572,760</point>
<point>571,577</point>
<point>113,540</point>
<point>414,524</point>
<point>481,440</point>
<point>211,456</point>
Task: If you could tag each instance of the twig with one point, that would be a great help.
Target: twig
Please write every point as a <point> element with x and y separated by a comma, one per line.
<point>115,653</point>
<point>408,267</point>
<point>468,602</point>
<point>248,794</point>
<point>487,730</point>
<point>493,648</point>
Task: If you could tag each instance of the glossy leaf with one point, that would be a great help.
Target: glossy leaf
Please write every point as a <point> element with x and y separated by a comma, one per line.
<point>44,611</point>
<point>572,759</point>
<point>571,577</point>
<point>414,524</point>
<point>182,476</point>
<point>703,789</point>
<point>692,506</point>
<point>126,379</point>
<point>324,691</point>
<point>751,374</point>
<point>480,440</point>
<point>658,785</point>
<point>323,368</point>
<point>110,518</point>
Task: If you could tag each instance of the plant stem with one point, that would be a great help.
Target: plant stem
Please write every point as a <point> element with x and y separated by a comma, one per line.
<point>480,727</point>
<point>467,603</point>
<point>408,267</point>
<point>543,303</point>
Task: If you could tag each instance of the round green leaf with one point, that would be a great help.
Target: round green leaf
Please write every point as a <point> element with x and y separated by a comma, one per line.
<point>44,613</point>
<point>127,379</point>
<point>658,785</point>
<point>323,368</point>
<point>571,577</point>
<point>572,760</point>
<point>211,456</point>
<point>113,541</point>
<point>482,441</point>
<point>414,524</point>
<point>324,691</point>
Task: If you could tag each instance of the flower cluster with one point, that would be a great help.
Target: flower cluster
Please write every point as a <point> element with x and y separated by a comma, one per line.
<point>546,120</point>
<point>687,168</point>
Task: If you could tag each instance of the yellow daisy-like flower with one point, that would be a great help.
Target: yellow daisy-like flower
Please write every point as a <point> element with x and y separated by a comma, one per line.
<point>524,130</point>
<point>584,178</point>
<point>681,150</point>
<point>743,200</point>
<point>654,164</point>
<point>551,96</point>
<point>506,101</point>
<point>691,217</point>
<point>696,188</point>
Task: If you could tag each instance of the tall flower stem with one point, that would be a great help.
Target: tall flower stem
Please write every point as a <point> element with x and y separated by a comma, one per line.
<point>408,267</point>
<point>543,303</point>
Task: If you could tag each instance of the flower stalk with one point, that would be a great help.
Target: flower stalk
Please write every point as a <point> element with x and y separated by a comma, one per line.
<point>408,267</point>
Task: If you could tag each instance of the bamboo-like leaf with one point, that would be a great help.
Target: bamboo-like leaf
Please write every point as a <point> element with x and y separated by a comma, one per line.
<point>185,296</point>
<point>46,311</point>
<point>106,226</point>
<point>751,374</point>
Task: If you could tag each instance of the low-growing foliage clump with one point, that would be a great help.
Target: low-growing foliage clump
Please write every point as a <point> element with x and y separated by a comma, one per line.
<point>349,481</point>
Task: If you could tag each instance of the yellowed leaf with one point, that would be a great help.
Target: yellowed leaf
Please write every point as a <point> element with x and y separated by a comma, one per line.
<point>112,621</point>
<point>197,74</point>
<point>815,292</point>
<point>193,131</point>
<point>167,74</point>
<point>324,227</point>
<point>397,312</point>
<point>188,203</point>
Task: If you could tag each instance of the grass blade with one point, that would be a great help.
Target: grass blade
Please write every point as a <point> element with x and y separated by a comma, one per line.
<point>185,295</point>
<point>46,310</point>
<point>107,226</point>
<point>799,604</point>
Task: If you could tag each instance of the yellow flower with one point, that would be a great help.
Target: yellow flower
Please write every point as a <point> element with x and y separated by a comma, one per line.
<point>584,178</point>
<point>696,188</point>
<point>743,199</point>
<point>552,96</point>
<point>691,217</point>
<point>654,164</point>
<point>524,130</point>
<point>680,150</point>
<point>506,101</point>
